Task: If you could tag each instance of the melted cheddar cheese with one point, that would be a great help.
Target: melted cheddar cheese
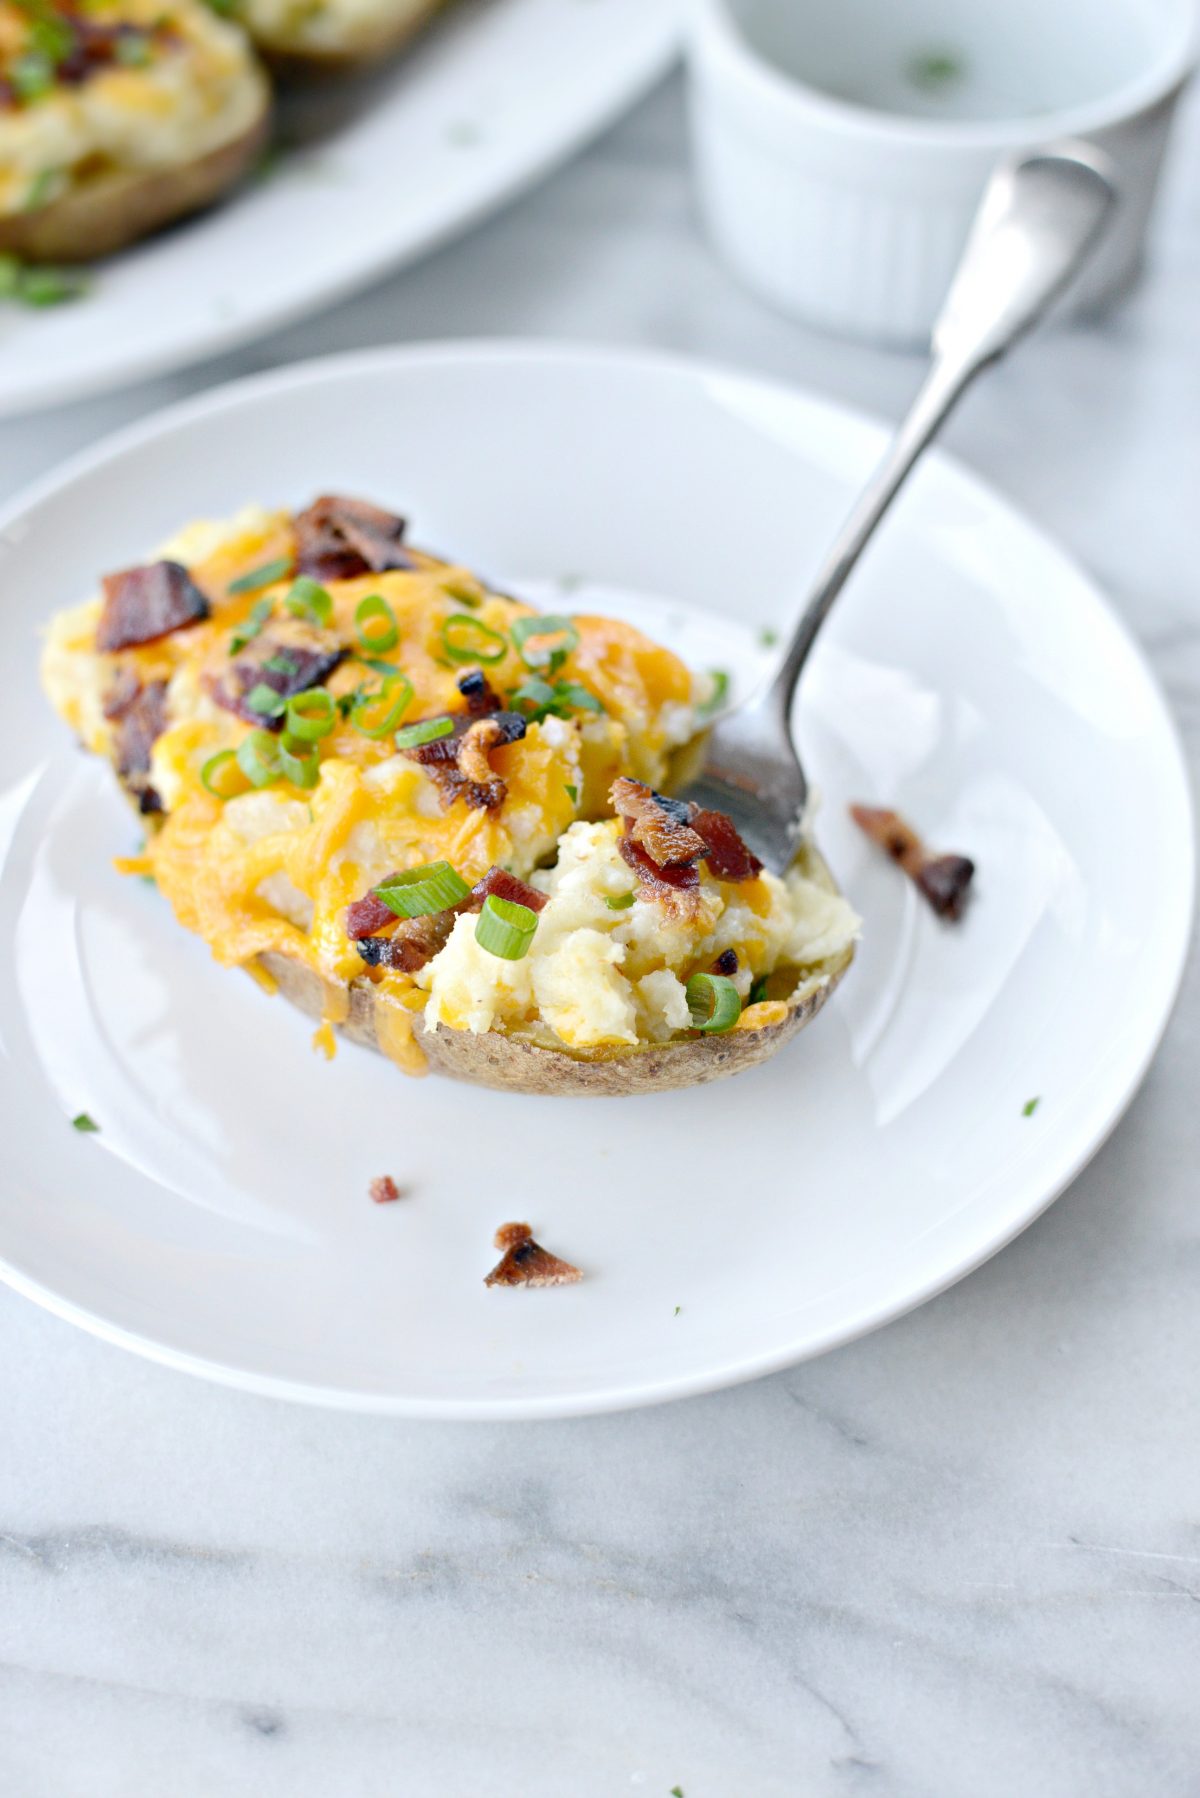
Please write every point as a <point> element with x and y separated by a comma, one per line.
<point>274,869</point>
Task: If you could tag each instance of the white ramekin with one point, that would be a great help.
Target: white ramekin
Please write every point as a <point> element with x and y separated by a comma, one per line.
<point>852,218</point>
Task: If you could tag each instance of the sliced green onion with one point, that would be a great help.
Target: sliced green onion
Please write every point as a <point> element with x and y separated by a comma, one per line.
<point>394,696</point>
<point>32,75</point>
<point>619,901</point>
<point>86,1124</point>
<point>307,599</point>
<point>265,575</point>
<point>716,699</point>
<point>571,791</point>
<point>714,1002</point>
<point>428,731</point>
<point>366,617</point>
<point>758,991</point>
<point>420,892</point>
<point>250,626</point>
<point>570,693</point>
<point>265,701</point>
<point>378,666</point>
<point>258,758</point>
<point>534,692</point>
<point>50,286</point>
<point>505,928</point>
<point>467,639</point>
<point>466,596</point>
<point>311,714</point>
<point>298,761</point>
<point>532,638</point>
<point>212,774</point>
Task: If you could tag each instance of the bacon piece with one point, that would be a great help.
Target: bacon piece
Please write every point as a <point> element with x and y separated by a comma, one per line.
<point>944,880</point>
<point>139,716</point>
<point>671,887</point>
<point>480,696</point>
<point>662,826</point>
<point>727,855</point>
<point>383,1190</point>
<point>288,658</point>
<point>338,538</point>
<point>726,963</point>
<point>414,941</point>
<point>145,603</point>
<point>442,759</point>
<point>526,1263</point>
<point>505,886</point>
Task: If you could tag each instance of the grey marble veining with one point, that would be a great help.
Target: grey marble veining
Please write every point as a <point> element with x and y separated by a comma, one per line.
<point>960,1559</point>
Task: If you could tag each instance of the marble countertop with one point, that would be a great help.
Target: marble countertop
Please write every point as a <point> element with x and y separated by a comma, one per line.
<point>961,1557</point>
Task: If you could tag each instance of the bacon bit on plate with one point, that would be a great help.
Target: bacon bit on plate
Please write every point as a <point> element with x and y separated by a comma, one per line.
<point>414,941</point>
<point>383,1190</point>
<point>337,539</point>
<point>526,1263</point>
<point>143,604</point>
<point>139,717</point>
<point>943,879</point>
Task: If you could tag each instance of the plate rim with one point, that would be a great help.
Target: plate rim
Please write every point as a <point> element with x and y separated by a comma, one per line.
<point>519,175</point>
<point>165,421</point>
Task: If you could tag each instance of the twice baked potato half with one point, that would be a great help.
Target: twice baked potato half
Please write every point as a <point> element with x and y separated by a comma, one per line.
<point>116,120</point>
<point>332,35</point>
<point>427,814</point>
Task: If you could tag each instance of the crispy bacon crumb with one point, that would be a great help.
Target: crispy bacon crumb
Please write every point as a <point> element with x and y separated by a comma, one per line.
<point>726,963</point>
<point>383,1190</point>
<point>146,603</point>
<point>337,539</point>
<point>526,1263</point>
<point>944,880</point>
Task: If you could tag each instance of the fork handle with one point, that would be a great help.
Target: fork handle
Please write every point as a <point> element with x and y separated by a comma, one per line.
<point>1040,217</point>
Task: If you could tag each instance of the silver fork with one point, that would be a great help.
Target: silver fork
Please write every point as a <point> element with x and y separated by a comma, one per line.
<point>1039,219</point>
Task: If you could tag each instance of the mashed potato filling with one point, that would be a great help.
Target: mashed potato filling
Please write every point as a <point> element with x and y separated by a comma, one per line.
<point>336,28</point>
<point>596,976</point>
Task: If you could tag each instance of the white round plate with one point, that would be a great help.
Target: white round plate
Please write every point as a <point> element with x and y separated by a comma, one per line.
<point>389,165</point>
<point>971,676</point>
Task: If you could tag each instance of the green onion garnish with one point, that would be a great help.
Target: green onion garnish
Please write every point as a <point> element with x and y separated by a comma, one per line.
<point>370,612</point>
<point>264,576</point>
<point>1029,1107</point>
<point>413,735</point>
<point>714,1002</point>
<point>307,599</point>
<point>467,639</point>
<point>298,761</point>
<point>258,758</point>
<point>534,640</point>
<point>250,626</point>
<point>377,714</point>
<point>31,74</point>
<point>505,928</point>
<point>84,1123</point>
<point>619,901</point>
<point>420,892</point>
<point>462,593</point>
<point>570,693</point>
<point>311,715</point>
<point>266,701</point>
<point>133,50</point>
<point>716,699</point>
<point>214,773</point>
<point>50,286</point>
<point>758,991</point>
<point>571,791</point>
<point>540,699</point>
<point>378,666</point>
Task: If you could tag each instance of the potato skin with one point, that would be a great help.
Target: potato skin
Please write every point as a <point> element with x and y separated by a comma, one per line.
<point>511,1064</point>
<point>113,210</point>
<point>361,52</point>
<point>514,1064</point>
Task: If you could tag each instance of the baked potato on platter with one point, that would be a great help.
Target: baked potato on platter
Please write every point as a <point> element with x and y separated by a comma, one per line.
<point>429,816</point>
<point>116,119</point>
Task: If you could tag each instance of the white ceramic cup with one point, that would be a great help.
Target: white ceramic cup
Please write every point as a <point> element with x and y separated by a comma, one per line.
<point>842,146</point>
